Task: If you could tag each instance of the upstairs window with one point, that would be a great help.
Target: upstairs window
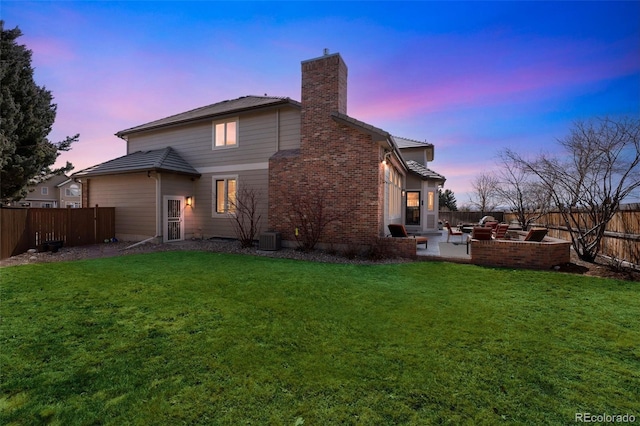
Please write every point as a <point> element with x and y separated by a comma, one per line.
<point>44,190</point>
<point>225,133</point>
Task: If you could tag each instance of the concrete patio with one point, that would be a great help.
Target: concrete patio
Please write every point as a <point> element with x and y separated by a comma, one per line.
<point>438,246</point>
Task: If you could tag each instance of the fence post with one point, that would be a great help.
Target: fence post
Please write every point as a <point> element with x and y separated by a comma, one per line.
<point>69,235</point>
<point>95,224</point>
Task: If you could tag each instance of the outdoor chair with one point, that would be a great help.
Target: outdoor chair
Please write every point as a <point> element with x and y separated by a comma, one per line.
<point>482,233</point>
<point>493,224</point>
<point>451,232</point>
<point>501,231</point>
<point>536,234</point>
<point>399,231</point>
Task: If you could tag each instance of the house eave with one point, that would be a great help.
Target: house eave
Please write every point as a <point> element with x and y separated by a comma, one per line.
<point>123,134</point>
<point>81,175</point>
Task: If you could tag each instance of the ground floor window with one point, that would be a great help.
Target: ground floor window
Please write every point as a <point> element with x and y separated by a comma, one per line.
<point>225,190</point>
<point>394,193</point>
<point>431,197</point>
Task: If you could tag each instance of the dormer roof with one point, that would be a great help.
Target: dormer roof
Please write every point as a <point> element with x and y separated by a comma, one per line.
<point>410,143</point>
<point>423,172</point>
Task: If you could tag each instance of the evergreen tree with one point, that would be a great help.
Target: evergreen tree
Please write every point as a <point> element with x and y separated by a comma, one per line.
<point>27,115</point>
<point>447,200</point>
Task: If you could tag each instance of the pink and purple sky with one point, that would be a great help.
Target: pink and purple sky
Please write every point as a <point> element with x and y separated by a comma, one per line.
<point>469,77</point>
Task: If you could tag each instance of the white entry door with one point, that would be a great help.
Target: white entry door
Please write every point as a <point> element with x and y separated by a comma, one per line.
<point>173,218</point>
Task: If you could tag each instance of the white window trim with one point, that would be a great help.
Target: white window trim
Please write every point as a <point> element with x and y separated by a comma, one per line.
<point>213,133</point>
<point>214,198</point>
<point>44,190</point>
<point>393,180</point>
<point>431,201</point>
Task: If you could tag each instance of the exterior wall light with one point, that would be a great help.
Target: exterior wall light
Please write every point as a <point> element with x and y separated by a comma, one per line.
<point>190,200</point>
<point>386,156</point>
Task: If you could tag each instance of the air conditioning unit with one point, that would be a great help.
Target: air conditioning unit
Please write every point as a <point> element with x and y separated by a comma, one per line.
<point>269,241</point>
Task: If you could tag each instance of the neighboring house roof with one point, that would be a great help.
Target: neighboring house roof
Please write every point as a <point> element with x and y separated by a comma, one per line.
<point>423,172</point>
<point>50,179</point>
<point>410,143</point>
<point>244,103</point>
<point>158,160</point>
<point>61,184</point>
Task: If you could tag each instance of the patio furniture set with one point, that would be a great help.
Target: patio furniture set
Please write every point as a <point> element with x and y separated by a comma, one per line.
<point>492,230</point>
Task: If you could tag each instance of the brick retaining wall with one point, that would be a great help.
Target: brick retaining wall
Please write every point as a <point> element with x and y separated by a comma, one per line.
<point>521,254</point>
<point>401,247</point>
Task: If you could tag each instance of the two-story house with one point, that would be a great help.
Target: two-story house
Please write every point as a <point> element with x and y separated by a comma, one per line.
<point>181,174</point>
<point>53,192</point>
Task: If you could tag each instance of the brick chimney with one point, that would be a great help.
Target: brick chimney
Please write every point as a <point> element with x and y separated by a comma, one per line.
<point>324,90</point>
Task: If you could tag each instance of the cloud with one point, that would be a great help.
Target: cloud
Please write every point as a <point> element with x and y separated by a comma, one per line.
<point>490,72</point>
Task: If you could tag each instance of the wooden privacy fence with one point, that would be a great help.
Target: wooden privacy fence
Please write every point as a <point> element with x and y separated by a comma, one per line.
<point>621,238</point>
<point>25,228</point>
<point>454,218</point>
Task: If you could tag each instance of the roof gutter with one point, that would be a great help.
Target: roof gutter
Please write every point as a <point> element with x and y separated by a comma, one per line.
<point>129,171</point>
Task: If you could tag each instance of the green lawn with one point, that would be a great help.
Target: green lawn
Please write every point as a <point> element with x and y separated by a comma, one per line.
<point>206,338</point>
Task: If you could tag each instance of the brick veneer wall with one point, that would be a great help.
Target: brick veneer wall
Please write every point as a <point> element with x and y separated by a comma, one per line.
<point>335,163</point>
<point>401,247</point>
<point>521,254</point>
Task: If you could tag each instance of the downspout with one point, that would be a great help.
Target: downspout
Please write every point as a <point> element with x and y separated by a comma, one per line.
<point>158,207</point>
<point>139,242</point>
<point>278,130</point>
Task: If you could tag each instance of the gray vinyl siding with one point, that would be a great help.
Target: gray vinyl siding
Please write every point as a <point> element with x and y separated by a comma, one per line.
<point>260,135</point>
<point>416,154</point>
<point>133,196</point>
<point>413,182</point>
<point>206,223</point>
<point>257,139</point>
<point>289,129</point>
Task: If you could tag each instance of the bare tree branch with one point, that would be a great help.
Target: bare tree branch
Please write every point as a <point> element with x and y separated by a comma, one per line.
<point>310,214</point>
<point>485,192</point>
<point>245,217</point>
<point>521,191</point>
<point>600,168</point>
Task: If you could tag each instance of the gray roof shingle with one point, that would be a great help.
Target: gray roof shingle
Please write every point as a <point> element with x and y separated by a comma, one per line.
<point>410,143</point>
<point>361,125</point>
<point>423,172</point>
<point>225,107</point>
<point>158,160</point>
